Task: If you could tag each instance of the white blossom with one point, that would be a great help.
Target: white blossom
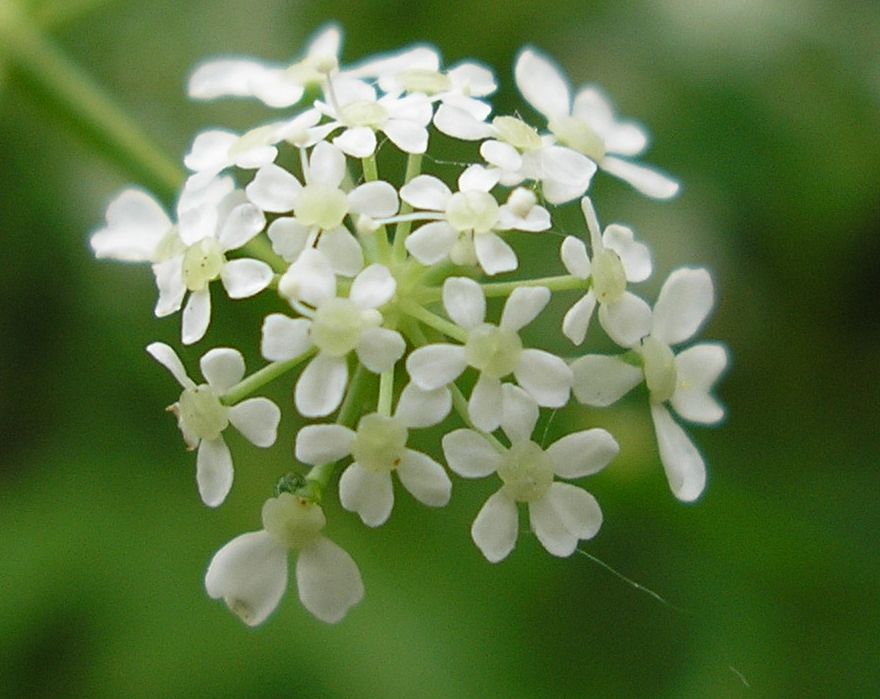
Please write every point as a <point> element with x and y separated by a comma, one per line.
<point>588,124</point>
<point>378,448</point>
<point>682,380</point>
<point>202,416</point>
<point>495,351</point>
<point>250,572</point>
<point>560,514</point>
<point>617,259</point>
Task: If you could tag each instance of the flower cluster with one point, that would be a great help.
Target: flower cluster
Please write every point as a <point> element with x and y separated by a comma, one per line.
<point>388,276</point>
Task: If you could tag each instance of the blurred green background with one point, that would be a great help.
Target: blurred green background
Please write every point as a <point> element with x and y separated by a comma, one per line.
<point>769,112</point>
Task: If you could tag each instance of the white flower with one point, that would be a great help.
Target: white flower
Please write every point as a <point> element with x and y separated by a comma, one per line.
<point>138,230</point>
<point>377,448</point>
<point>355,108</point>
<point>684,380</point>
<point>589,125</point>
<point>494,351</point>
<point>273,84</point>
<point>337,326</point>
<point>560,514</point>
<point>617,259</point>
<point>517,153</point>
<point>464,224</point>
<point>319,208</point>
<point>250,572</point>
<point>202,418</point>
<point>207,233</point>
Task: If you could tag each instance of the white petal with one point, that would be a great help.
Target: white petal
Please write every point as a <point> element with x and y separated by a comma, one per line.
<point>409,137</point>
<point>426,192</point>
<point>626,321</point>
<point>683,464</point>
<point>376,199</point>
<point>494,255</point>
<point>601,381</point>
<point>564,515</point>
<point>273,189</point>
<point>484,406</point>
<point>210,150</point>
<point>684,303</point>
<point>545,376</point>
<point>323,444</point>
<point>458,123</point>
<point>473,78</point>
<point>196,317</point>
<point>478,178</point>
<point>214,471</point>
<point>582,453</point>
<point>646,180</point>
<point>240,225</point>
<point>519,414</point>
<point>433,366</point>
<point>379,349</point>
<point>225,78</point>
<point>574,257</point>
<point>424,478</point>
<point>320,387</point>
<point>577,318</point>
<point>523,306</point>
<point>367,493</point>
<point>469,454</point>
<point>415,108</point>
<point>169,281</point>
<point>358,142</point>
<point>289,237</point>
<point>136,225</point>
<point>310,279</point>
<point>502,155</point>
<point>373,287</point>
<point>698,368</point>
<point>324,43</point>
<point>244,278</point>
<point>464,302</point>
<point>343,250</point>
<point>636,257</point>
<point>417,407</point>
<point>168,358</point>
<point>542,84</point>
<point>621,137</point>
<point>326,166</point>
<point>328,580</point>
<point>284,338</point>
<point>431,243</point>
<point>257,419</point>
<point>566,173</point>
<point>250,575</point>
<point>222,368</point>
<point>495,528</point>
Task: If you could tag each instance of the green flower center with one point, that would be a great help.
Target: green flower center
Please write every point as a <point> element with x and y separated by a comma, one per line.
<point>363,113</point>
<point>201,414</point>
<point>321,206</point>
<point>472,211</point>
<point>292,521</point>
<point>493,350</point>
<point>379,443</point>
<point>517,133</point>
<point>202,263</point>
<point>337,325</point>
<point>527,472</point>
<point>609,277</point>
<point>577,134</point>
<point>659,364</point>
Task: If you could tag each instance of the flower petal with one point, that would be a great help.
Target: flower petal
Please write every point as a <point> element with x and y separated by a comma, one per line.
<point>698,368</point>
<point>431,243</point>
<point>646,180</point>
<point>196,316</point>
<point>169,281</point>
<point>320,387</point>
<point>458,123</point>
<point>424,478</point>
<point>373,287</point>
<point>273,189</point>
<point>626,321</point>
<point>484,406</point>
<point>379,349</point>
<point>478,178</point>
<point>367,493</point>
<point>214,471</point>
<point>284,338</point>
<point>577,319</point>
<point>250,575</point>
<point>582,453</point>
<point>685,469</point>
<point>601,381</point>
<point>426,192</point>
<point>635,257</point>
<point>376,199</point>
<point>328,580</point>
<point>574,257</point>
<point>563,516</point>
<point>289,237</point>
<point>168,358</point>
<point>257,419</point>
<point>494,530</point>
<point>502,155</point>
<point>469,454</point>
<point>326,166</point>
<point>136,225</point>
<point>244,278</point>
<point>433,366</point>
<point>519,414</point>
<point>684,303</point>
<point>545,376</point>
<point>417,407</point>
<point>358,142</point>
<point>523,306</point>
<point>542,84</point>
<point>409,137</point>
<point>323,444</point>
<point>494,254</point>
<point>342,250</point>
<point>222,367</point>
<point>225,78</point>
<point>310,279</point>
<point>464,302</point>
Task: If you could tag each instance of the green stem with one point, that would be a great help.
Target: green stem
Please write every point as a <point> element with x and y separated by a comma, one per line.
<point>386,393</point>
<point>260,378</point>
<point>371,171</point>
<point>563,282</point>
<point>432,320</point>
<point>413,168</point>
